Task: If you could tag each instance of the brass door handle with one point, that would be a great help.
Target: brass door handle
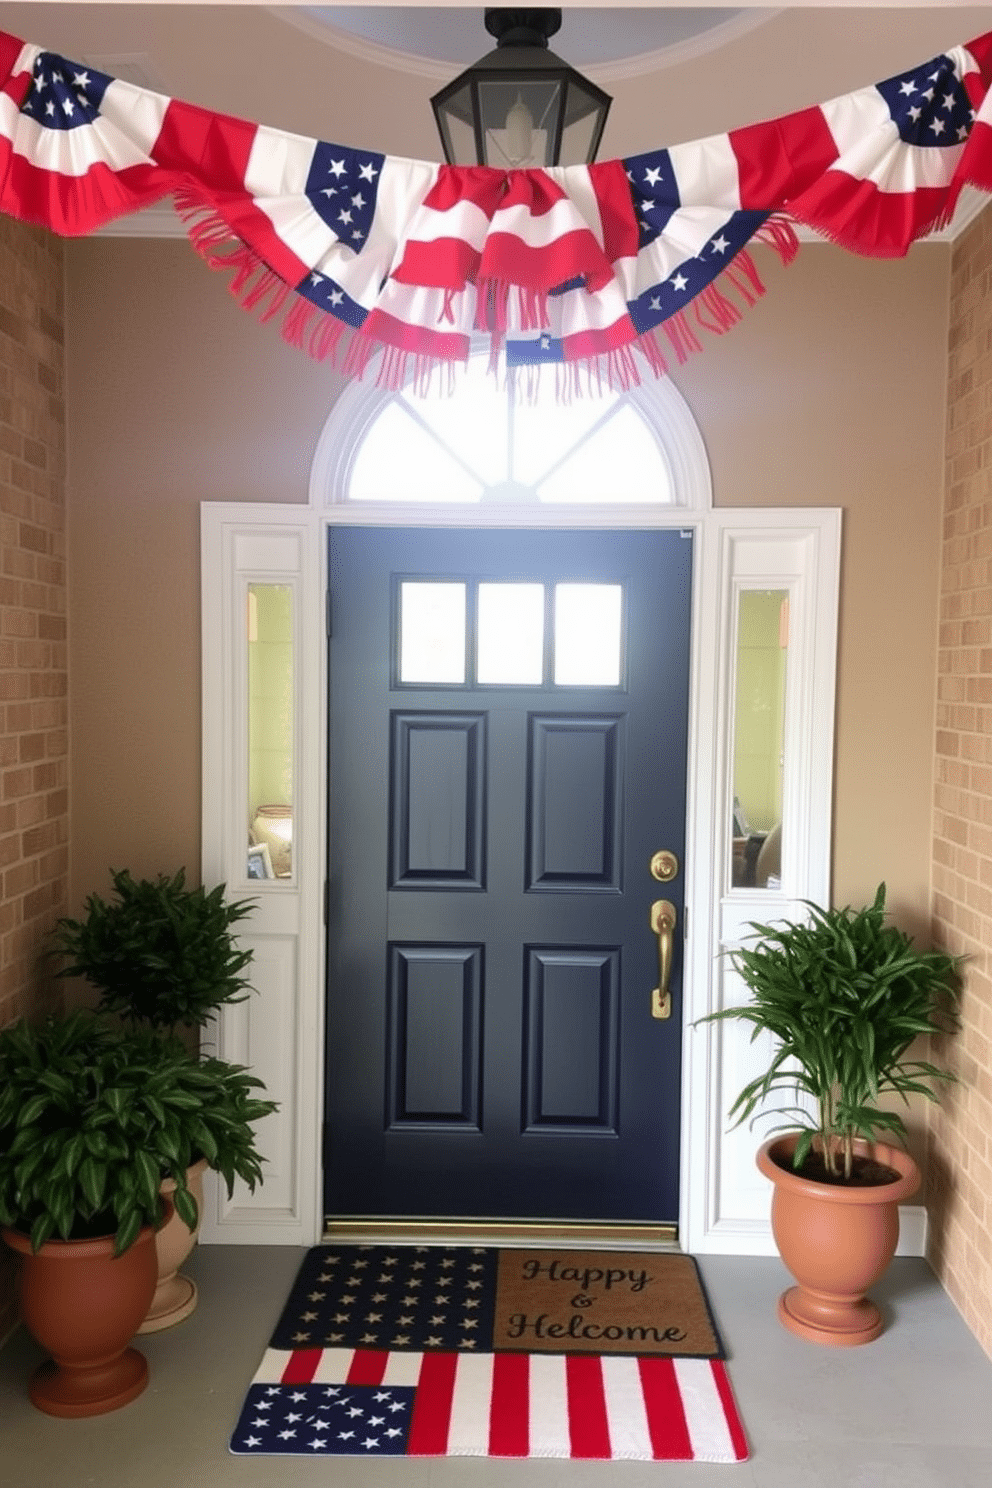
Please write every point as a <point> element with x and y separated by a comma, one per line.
<point>662,921</point>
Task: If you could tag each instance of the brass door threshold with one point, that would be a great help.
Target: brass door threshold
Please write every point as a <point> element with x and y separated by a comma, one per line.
<point>526,1234</point>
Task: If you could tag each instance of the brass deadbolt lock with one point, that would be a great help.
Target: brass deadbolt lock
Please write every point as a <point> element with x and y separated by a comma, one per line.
<point>664,866</point>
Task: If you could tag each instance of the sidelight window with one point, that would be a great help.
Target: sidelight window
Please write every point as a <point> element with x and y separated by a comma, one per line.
<point>271,706</point>
<point>762,655</point>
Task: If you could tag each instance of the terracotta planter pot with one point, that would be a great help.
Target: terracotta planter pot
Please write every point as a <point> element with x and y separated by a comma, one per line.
<point>836,1241</point>
<point>175,1296</point>
<point>84,1306</point>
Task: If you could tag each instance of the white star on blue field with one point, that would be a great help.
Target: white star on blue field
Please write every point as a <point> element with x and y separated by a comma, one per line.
<point>324,1420</point>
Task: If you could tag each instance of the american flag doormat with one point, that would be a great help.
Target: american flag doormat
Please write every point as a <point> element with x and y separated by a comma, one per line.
<point>429,1351</point>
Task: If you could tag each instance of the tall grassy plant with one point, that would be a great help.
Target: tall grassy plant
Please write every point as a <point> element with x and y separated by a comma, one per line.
<point>844,995</point>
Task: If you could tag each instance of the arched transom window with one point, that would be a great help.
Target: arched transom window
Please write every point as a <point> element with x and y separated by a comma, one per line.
<point>487,443</point>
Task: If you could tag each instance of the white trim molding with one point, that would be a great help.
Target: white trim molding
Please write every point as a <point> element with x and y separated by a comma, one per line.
<point>279,1031</point>
<point>725,1201</point>
<point>724,1205</point>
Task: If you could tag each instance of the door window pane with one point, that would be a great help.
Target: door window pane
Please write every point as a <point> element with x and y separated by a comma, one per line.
<point>432,632</point>
<point>588,635</point>
<point>511,633</point>
<point>270,731</point>
<point>759,737</point>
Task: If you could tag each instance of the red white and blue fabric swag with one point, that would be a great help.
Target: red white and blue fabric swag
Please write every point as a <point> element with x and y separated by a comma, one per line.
<point>362,253</point>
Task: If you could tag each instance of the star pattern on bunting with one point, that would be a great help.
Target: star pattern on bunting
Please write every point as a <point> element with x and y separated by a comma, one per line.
<point>64,95</point>
<point>692,275</point>
<point>873,170</point>
<point>654,192</point>
<point>929,105</point>
<point>342,187</point>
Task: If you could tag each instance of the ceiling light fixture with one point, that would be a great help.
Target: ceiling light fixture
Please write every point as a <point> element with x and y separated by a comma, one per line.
<point>520,104</point>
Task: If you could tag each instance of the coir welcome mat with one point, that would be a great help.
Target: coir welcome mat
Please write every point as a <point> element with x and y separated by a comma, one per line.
<point>455,1351</point>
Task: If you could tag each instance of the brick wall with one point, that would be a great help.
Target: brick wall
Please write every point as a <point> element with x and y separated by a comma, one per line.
<point>34,822</point>
<point>960,1137</point>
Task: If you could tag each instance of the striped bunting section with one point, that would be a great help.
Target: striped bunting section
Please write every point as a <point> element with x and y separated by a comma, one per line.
<point>364,1402</point>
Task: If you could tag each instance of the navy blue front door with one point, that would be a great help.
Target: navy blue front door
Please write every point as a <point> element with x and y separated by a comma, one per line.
<point>491,1048</point>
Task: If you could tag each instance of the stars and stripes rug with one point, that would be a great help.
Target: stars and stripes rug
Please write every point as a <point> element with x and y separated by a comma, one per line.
<point>453,1351</point>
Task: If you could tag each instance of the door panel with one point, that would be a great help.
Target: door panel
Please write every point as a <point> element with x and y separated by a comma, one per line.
<point>434,1039</point>
<point>574,793</point>
<point>571,1080</point>
<point>437,824</point>
<point>490,1045</point>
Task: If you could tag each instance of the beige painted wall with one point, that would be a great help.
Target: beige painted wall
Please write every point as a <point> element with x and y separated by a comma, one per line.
<point>176,396</point>
<point>830,392</point>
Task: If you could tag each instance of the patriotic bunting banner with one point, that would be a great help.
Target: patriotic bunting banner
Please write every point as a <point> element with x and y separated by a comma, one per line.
<point>607,267</point>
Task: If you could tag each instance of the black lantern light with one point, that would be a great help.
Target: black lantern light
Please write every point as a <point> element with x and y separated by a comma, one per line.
<point>520,105</point>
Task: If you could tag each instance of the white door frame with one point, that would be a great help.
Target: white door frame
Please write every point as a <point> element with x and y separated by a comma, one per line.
<point>279,1031</point>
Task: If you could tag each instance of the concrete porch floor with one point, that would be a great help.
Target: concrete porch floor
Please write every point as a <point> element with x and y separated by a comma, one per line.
<point>912,1410</point>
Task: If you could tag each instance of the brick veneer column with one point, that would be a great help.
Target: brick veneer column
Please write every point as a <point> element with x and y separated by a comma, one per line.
<point>34,821</point>
<point>960,1137</point>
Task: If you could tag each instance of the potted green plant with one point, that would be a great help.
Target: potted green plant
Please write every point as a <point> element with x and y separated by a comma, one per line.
<point>843,995</point>
<point>164,957</point>
<point>90,1119</point>
<point>159,952</point>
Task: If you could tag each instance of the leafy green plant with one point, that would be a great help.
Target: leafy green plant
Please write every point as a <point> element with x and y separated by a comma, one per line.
<point>159,953</point>
<point>92,1118</point>
<point>844,995</point>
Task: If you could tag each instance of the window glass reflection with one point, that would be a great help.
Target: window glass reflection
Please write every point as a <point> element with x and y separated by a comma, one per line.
<point>511,634</point>
<point>270,731</point>
<point>759,737</point>
<point>432,632</point>
<point>588,635</point>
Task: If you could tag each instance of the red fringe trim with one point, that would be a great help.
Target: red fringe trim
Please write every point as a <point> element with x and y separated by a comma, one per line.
<point>614,371</point>
<point>859,242</point>
<point>683,338</point>
<point>324,338</point>
<point>653,355</point>
<point>743,275</point>
<point>779,233</point>
<point>359,351</point>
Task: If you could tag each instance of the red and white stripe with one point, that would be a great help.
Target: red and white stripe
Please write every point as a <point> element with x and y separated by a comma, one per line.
<point>448,243</point>
<point>842,169</point>
<point>541,1405</point>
